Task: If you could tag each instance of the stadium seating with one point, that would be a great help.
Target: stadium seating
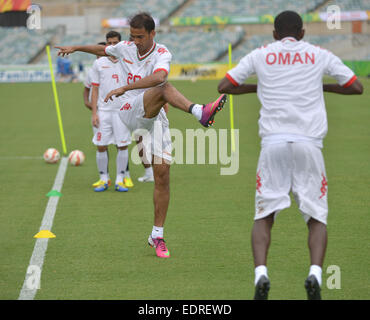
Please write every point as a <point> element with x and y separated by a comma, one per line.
<point>247,46</point>
<point>186,47</point>
<point>159,9</point>
<point>247,7</point>
<point>20,45</point>
<point>77,57</point>
<point>349,5</point>
<point>198,46</point>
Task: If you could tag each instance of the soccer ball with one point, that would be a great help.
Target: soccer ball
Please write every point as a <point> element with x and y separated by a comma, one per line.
<point>51,155</point>
<point>76,158</point>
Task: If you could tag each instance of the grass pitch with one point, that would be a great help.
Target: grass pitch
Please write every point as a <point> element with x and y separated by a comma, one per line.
<point>100,249</point>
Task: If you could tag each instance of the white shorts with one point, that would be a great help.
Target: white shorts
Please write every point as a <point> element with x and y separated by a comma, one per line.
<point>111,130</point>
<point>291,166</point>
<point>155,131</point>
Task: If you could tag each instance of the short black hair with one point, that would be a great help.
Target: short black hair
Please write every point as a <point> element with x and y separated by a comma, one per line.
<point>142,20</point>
<point>288,23</point>
<point>113,34</point>
<point>102,43</point>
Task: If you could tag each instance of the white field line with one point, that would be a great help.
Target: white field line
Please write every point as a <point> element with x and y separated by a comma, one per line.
<point>33,275</point>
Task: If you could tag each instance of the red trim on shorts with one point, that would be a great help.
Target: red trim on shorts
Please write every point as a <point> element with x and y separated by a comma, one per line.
<point>159,69</point>
<point>95,84</point>
<point>352,80</point>
<point>232,80</point>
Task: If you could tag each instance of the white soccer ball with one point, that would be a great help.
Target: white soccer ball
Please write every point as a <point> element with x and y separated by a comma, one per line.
<point>51,155</point>
<point>76,158</point>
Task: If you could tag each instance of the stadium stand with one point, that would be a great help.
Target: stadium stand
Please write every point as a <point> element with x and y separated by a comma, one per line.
<point>186,47</point>
<point>199,46</point>
<point>159,9</point>
<point>20,45</point>
<point>77,57</point>
<point>349,5</point>
<point>248,7</point>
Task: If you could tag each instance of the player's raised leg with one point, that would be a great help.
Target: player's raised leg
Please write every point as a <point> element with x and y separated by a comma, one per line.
<point>155,98</point>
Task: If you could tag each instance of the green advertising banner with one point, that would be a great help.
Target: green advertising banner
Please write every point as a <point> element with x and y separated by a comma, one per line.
<point>267,18</point>
<point>219,20</point>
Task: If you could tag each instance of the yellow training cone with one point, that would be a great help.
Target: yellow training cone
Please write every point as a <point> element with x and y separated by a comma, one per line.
<point>44,234</point>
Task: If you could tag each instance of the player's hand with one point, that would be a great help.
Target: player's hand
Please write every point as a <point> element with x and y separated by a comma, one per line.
<point>65,50</point>
<point>117,93</point>
<point>95,120</point>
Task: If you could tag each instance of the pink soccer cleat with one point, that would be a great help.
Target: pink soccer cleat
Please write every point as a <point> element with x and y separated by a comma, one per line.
<point>210,110</point>
<point>160,247</point>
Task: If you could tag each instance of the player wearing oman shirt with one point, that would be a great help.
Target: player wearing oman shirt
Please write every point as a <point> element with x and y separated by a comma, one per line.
<point>292,125</point>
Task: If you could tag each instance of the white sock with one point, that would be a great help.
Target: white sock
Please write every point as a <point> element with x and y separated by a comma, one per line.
<point>149,172</point>
<point>121,164</point>
<point>102,163</point>
<point>260,271</point>
<point>157,232</point>
<point>316,271</point>
<point>197,111</point>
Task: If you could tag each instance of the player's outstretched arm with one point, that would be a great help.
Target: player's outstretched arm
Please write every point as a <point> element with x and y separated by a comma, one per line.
<point>225,86</point>
<point>150,81</point>
<point>355,88</point>
<point>93,49</point>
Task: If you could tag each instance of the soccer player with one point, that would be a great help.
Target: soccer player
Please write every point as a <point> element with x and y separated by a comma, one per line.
<point>292,126</point>
<point>146,65</point>
<point>108,128</point>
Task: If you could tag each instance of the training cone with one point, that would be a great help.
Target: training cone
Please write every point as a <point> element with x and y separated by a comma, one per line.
<point>54,193</point>
<point>44,234</point>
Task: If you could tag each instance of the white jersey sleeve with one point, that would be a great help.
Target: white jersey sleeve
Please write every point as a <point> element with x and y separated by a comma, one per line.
<point>94,74</point>
<point>163,60</point>
<point>244,69</point>
<point>117,50</point>
<point>338,70</point>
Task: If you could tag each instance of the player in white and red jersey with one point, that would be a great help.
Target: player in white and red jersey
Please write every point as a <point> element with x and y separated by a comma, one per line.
<point>87,92</point>
<point>106,74</point>
<point>146,65</point>
<point>292,125</point>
